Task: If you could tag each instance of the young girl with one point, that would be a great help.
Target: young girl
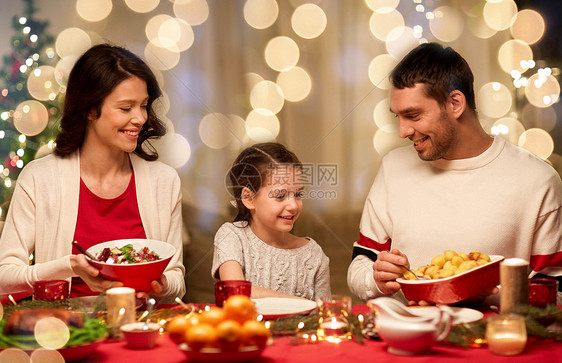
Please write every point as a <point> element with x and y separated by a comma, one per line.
<point>267,185</point>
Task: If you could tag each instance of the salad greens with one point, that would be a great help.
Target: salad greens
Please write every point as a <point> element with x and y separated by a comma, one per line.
<point>127,254</point>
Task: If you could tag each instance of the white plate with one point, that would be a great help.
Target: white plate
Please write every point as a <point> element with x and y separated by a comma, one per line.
<point>462,315</point>
<point>279,307</point>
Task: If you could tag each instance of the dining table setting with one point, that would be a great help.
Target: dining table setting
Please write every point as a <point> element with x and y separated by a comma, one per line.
<point>48,325</point>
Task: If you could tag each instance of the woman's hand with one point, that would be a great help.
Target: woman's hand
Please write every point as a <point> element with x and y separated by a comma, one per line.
<point>387,269</point>
<point>89,274</point>
<point>157,288</point>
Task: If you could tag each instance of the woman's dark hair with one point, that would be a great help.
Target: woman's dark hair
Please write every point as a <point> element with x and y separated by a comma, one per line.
<point>252,167</point>
<point>442,70</point>
<point>94,76</point>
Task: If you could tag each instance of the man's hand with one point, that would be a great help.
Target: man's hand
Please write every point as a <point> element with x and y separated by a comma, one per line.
<point>89,274</point>
<point>387,268</point>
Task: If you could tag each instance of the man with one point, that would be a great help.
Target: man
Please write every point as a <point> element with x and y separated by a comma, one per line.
<point>457,188</point>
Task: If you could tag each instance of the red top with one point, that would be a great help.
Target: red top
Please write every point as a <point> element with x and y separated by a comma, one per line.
<point>100,220</point>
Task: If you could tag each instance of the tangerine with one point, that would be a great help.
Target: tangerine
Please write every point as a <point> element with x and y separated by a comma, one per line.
<point>255,333</point>
<point>201,336</point>
<point>229,334</point>
<point>240,308</point>
<point>213,316</point>
<point>176,328</point>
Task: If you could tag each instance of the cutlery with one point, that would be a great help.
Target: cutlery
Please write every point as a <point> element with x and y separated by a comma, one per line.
<point>83,250</point>
<point>413,273</point>
<point>149,306</point>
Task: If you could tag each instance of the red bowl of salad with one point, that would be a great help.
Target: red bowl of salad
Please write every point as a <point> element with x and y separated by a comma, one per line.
<point>134,262</point>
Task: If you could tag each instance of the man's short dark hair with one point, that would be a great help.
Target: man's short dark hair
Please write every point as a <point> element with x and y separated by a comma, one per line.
<point>442,70</point>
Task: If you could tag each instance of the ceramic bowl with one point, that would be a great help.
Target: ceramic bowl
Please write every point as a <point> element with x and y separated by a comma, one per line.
<point>453,289</point>
<point>140,335</point>
<point>135,275</point>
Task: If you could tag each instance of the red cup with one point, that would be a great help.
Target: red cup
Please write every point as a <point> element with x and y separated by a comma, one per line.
<point>51,290</point>
<point>225,289</point>
<point>542,292</point>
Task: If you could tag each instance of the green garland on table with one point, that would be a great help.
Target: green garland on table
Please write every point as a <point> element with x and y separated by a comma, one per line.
<point>289,326</point>
<point>545,323</point>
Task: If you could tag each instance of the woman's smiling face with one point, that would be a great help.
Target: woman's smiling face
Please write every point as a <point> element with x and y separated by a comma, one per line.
<point>123,113</point>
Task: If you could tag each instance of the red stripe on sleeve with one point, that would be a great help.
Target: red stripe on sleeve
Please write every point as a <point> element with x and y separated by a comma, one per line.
<point>541,261</point>
<point>369,243</point>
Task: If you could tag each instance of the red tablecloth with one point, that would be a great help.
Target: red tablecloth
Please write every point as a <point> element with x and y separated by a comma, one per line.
<point>371,351</point>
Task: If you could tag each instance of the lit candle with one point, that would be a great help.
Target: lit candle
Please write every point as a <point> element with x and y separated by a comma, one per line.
<point>120,308</point>
<point>334,327</point>
<point>332,323</point>
<point>506,334</point>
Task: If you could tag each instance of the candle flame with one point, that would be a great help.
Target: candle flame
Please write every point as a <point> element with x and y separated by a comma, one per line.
<point>12,299</point>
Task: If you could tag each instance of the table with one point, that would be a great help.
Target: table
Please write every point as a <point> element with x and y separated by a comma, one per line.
<point>371,351</point>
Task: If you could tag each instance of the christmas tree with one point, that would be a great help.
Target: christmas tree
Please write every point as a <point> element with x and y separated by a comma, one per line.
<point>30,99</point>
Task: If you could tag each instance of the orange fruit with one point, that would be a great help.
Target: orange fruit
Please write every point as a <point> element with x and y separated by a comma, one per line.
<point>229,334</point>
<point>178,326</point>
<point>213,316</point>
<point>255,333</point>
<point>239,308</point>
<point>201,336</point>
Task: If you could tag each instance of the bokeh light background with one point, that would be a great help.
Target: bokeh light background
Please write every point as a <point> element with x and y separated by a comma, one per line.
<point>312,74</point>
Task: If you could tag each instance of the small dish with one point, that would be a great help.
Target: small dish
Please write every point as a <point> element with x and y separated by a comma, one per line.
<point>408,334</point>
<point>460,315</point>
<point>140,335</point>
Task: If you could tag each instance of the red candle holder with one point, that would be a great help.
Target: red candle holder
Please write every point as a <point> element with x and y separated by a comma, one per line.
<point>542,292</point>
<point>51,290</point>
<point>225,289</point>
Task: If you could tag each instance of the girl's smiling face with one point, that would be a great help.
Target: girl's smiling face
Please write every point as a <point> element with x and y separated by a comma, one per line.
<point>278,203</point>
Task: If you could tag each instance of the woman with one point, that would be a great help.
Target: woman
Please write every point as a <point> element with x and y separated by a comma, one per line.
<point>102,183</point>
